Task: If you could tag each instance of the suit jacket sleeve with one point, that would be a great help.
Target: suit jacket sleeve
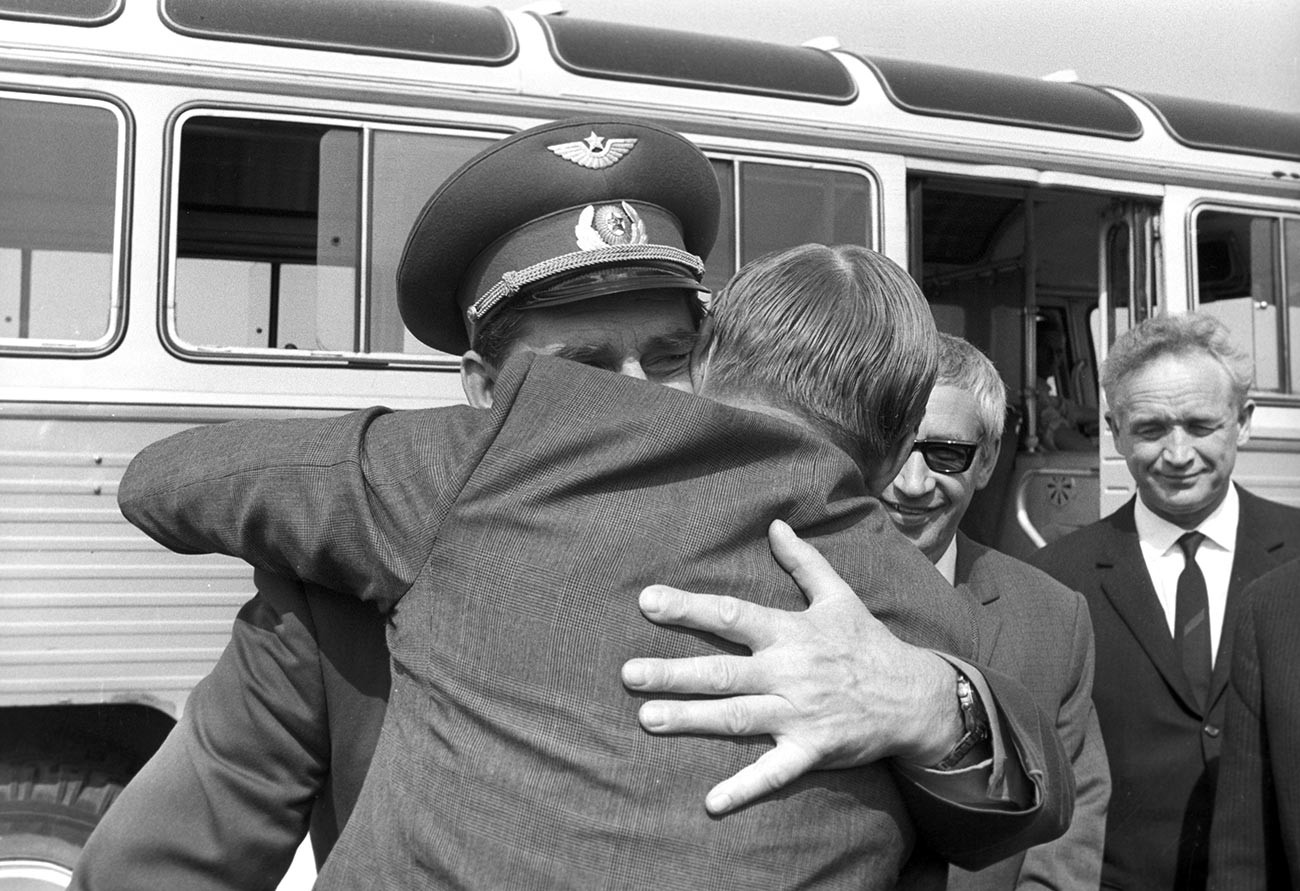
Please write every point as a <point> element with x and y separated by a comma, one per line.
<point>1074,860</point>
<point>973,835</point>
<point>351,503</point>
<point>224,804</point>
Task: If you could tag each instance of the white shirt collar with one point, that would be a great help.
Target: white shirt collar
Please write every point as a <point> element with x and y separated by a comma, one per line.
<point>1219,528</point>
<point>947,562</point>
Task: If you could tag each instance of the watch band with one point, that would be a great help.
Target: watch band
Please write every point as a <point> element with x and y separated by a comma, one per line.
<point>975,723</point>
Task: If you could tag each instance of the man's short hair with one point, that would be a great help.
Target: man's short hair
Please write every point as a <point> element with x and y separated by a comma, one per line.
<point>963,366</point>
<point>498,335</point>
<point>838,335</point>
<point>1180,334</point>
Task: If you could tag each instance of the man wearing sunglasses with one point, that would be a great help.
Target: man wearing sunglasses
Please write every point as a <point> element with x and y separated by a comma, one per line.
<point>1030,626</point>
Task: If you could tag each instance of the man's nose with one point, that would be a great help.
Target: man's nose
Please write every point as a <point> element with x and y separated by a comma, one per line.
<point>914,480</point>
<point>631,366</point>
<point>1178,447</point>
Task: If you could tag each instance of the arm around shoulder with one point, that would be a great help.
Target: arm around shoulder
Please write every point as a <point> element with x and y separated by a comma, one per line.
<point>328,501</point>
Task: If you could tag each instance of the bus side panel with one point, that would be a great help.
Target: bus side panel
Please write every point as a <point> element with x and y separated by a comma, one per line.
<point>91,610</point>
<point>1270,470</point>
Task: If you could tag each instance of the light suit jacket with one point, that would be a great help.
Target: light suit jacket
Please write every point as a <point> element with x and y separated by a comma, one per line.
<point>1034,628</point>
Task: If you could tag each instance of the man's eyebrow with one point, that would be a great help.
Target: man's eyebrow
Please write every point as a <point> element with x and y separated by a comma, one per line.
<point>585,354</point>
<point>683,339</point>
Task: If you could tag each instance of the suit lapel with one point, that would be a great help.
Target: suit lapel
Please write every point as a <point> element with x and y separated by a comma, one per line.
<point>970,581</point>
<point>1123,578</point>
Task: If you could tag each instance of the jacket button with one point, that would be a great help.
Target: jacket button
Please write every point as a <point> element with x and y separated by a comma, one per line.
<point>1211,731</point>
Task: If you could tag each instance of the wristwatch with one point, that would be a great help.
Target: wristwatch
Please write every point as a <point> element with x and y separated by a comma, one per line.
<point>974,720</point>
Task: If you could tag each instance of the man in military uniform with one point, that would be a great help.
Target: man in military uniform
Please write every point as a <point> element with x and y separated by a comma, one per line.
<point>266,739</point>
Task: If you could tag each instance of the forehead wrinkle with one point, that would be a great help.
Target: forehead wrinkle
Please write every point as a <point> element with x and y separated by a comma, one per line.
<point>685,338</point>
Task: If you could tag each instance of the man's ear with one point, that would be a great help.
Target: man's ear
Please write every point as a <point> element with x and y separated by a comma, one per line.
<point>985,461</point>
<point>479,377</point>
<point>701,354</point>
<point>1243,421</point>
<point>892,465</point>
<point>1113,423</point>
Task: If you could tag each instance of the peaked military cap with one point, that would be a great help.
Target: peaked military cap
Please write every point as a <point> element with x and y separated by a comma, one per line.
<point>555,214</point>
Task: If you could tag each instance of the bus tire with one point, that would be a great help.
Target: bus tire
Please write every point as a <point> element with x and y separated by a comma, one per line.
<point>48,808</point>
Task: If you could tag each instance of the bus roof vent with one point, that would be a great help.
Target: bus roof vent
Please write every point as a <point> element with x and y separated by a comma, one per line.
<point>1222,127</point>
<point>413,29</point>
<point>64,12</point>
<point>942,91</point>
<point>696,61</point>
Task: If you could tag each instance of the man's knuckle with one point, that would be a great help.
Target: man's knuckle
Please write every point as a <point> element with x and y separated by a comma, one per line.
<point>721,676</point>
<point>729,610</point>
<point>736,718</point>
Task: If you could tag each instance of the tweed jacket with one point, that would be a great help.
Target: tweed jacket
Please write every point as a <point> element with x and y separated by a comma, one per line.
<point>1255,839</point>
<point>523,638</point>
<point>1034,628</point>
<point>1162,748</point>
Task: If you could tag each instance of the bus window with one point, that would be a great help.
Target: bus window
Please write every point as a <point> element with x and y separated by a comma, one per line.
<point>407,169</point>
<point>721,263</point>
<point>1291,239</point>
<point>1240,268</point>
<point>266,235</point>
<point>59,198</point>
<point>785,206</point>
<point>269,233</point>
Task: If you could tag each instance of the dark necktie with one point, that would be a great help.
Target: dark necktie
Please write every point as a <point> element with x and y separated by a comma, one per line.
<point>1192,619</point>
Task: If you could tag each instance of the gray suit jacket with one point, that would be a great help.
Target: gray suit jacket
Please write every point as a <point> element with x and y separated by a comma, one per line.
<point>523,534</point>
<point>1034,628</point>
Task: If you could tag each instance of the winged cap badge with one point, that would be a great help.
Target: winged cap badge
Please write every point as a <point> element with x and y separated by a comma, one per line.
<point>594,152</point>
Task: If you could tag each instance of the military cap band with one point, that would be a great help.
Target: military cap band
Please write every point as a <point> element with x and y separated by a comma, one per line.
<point>647,266</point>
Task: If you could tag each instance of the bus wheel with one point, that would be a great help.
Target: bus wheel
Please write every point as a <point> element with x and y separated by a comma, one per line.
<point>48,807</point>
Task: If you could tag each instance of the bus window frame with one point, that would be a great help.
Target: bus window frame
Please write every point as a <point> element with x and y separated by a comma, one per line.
<point>739,157</point>
<point>366,128</point>
<point>119,265</point>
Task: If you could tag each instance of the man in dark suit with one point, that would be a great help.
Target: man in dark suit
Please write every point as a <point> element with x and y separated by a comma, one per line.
<point>1163,577</point>
<point>292,749</point>
<point>1030,626</point>
<point>1255,838</point>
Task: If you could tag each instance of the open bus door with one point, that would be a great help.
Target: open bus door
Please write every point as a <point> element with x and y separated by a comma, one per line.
<point>1060,491</point>
<point>1020,271</point>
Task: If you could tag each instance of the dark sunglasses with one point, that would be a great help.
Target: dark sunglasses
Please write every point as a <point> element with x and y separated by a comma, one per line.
<point>946,455</point>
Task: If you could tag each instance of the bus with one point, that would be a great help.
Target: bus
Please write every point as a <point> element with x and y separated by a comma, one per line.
<point>203,202</point>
